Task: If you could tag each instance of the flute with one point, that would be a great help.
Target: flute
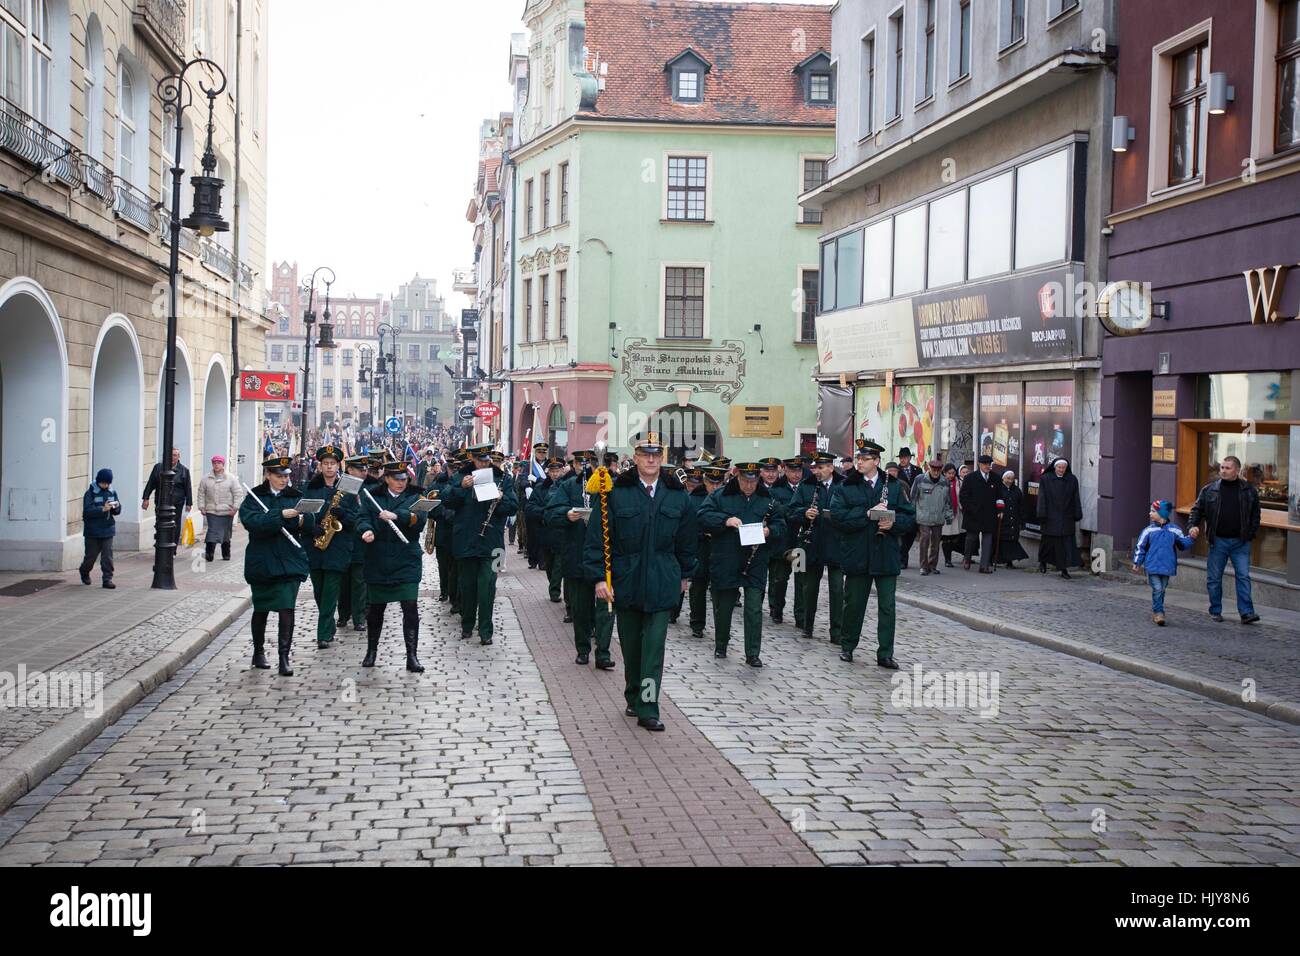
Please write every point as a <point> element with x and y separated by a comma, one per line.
<point>391,524</point>
<point>283,530</point>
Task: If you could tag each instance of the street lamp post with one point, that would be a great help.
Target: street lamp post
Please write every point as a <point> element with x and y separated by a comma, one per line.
<point>393,331</point>
<point>205,219</point>
<point>365,376</point>
<point>308,320</point>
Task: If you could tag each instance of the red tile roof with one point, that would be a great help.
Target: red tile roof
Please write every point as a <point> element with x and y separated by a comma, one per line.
<point>752,48</point>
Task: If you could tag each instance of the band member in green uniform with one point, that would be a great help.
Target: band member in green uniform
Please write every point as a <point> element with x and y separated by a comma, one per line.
<point>564,518</point>
<point>694,481</point>
<point>375,471</point>
<point>713,477</point>
<point>352,590</point>
<point>478,540</point>
<point>870,548</point>
<point>448,569</point>
<point>535,513</point>
<point>778,573</point>
<point>784,556</point>
<point>393,567</point>
<point>334,527</point>
<point>652,540</point>
<point>275,564</point>
<point>534,474</point>
<point>819,542</point>
<point>734,567</point>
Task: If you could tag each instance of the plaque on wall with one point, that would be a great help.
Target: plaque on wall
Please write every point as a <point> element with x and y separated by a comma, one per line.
<point>757,421</point>
<point>1164,441</point>
<point>1164,402</point>
<point>653,367</point>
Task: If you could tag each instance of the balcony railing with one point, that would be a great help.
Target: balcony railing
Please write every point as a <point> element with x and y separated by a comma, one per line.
<point>218,258</point>
<point>162,23</point>
<point>134,206</point>
<point>97,178</point>
<point>37,145</point>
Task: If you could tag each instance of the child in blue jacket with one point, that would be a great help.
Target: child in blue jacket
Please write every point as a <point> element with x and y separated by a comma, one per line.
<point>1157,551</point>
<point>99,508</point>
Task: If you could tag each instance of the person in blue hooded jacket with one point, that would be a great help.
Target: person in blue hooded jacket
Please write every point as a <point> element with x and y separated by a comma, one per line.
<point>1157,552</point>
<point>99,509</point>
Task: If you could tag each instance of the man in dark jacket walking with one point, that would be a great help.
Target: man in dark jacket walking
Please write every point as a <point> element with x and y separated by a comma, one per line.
<point>99,508</point>
<point>907,474</point>
<point>1229,507</point>
<point>568,509</point>
<point>819,542</point>
<point>652,544</point>
<point>980,494</point>
<point>182,492</point>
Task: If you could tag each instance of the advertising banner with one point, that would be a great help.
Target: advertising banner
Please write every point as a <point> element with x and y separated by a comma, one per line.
<point>869,338</point>
<point>267,386</point>
<point>835,420</point>
<point>1049,415</point>
<point>999,422</point>
<point>901,417</point>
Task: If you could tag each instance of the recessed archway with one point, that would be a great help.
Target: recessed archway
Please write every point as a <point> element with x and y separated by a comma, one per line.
<point>183,426</point>
<point>33,429</point>
<point>685,432</point>
<point>216,414</point>
<point>117,419</point>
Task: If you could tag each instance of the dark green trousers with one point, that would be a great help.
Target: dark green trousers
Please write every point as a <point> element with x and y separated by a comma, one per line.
<point>448,576</point>
<point>698,592</point>
<point>724,604</point>
<point>857,590</point>
<point>325,586</point>
<point>478,592</point>
<point>352,596</point>
<point>554,574</point>
<point>812,584</point>
<point>778,579</point>
<point>641,635</point>
<point>590,617</point>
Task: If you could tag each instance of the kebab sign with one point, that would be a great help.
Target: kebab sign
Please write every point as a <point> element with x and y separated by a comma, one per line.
<point>266,387</point>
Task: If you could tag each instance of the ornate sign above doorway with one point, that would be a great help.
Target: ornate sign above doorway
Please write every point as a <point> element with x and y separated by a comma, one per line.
<point>655,367</point>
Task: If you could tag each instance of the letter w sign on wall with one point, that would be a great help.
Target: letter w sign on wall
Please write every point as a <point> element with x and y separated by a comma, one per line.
<point>1265,294</point>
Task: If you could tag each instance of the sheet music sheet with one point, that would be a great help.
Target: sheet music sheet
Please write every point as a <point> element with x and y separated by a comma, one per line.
<point>751,534</point>
<point>309,506</point>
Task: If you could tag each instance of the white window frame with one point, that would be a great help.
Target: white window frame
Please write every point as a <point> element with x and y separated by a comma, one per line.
<point>798,313</point>
<point>895,72</point>
<point>868,81</point>
<point>1162,67</point>
<point>807,157</point>
<point>127,123</point>
<point>955,76</point>
<point>663,299</point>
<point>922,61</point>
<point>93,78</point>
<point>1005,9</point>
<point>707,156</point>
<point>1061,15</point>
<point>1263,120</point>
<point>678,77</point>
<point>33,49</point>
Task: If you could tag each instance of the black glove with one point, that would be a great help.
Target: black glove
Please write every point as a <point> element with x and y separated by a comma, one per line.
<point>337,513</point>
<point>318,531</point>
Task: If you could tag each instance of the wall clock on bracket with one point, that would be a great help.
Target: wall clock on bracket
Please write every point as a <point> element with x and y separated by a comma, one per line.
<point>1125,307</point>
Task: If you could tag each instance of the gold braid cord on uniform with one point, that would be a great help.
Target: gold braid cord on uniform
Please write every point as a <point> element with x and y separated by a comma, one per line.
<point>601,484</point>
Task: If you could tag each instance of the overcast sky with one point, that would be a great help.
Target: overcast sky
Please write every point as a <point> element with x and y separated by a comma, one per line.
<point>374,116</point>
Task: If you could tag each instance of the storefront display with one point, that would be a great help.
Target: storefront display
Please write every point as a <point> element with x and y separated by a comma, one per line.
<point>1049,416</point>
<point>999,424</point>
<point>901,417</point>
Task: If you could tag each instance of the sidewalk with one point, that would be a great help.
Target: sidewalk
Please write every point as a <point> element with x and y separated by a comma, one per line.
<point>1115,617</point>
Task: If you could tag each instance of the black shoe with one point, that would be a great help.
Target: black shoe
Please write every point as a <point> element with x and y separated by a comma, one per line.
<point>285,646</point>
<point>581,659</point>
<point>1245,618</point>
<point>208,557</point>
<point>835,641</point>
<point>113,587</point>
<point>85,578</point>
<point>778,617</point>
<point>1217,618</point>
<point>285,669</point>
<point>443,598</point>
<point>604,665</point>
<point>372,651</point>
<point>568,619</point>
<point>846,657</point>
<point>1066,575</point>
<point>925,572</point>
<point>466,635</point>
<point>888,663</point>
<point>719,652</point>
<point>556,600</point>
<point>321,645</point>
<point>753,662</point>
<point>1042,569</point>
<point>947,564</point>
<point>629,712</point>
<point>259,659</point>
<point>651,723</point>
<point>698,635</point>
<point>936,570</point>
<point>484,641</point>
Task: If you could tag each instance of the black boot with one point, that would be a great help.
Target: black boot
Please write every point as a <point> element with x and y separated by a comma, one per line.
<point>286,642</point>
<point>412,645</point>
<point>209,549</point>
<point>259,641</point>
<point>225,551</point>
<point>374,621</point>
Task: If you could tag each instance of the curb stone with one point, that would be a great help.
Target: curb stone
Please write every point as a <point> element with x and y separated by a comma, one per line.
<point>23,768</point>
<point>1184,680</point>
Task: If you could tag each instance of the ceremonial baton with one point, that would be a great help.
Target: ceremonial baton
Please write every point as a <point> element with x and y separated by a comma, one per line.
<point>283,530</point>
<point>391,524</point>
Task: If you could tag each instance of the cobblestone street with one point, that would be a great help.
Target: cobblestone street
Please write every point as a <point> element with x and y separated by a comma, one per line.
<point>512,755</point>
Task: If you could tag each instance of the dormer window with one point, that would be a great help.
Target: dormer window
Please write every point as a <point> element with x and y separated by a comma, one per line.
<point>817,79</point>
<point>686,72</point>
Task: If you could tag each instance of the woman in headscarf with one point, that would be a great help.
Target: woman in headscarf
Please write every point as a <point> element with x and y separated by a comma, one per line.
<point>953,536</point>
<point>1059,508</point>
<point>1013,520</point>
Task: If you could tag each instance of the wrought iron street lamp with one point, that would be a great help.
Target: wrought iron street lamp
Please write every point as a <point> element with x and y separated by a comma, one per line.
<point>393,331</point>
<point>308,320</point>
<point>205,219</point>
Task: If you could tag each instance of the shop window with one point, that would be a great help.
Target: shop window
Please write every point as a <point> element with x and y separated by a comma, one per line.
<point>879,263</point>
<point>1042,210</point>
<point>848,279</point>
<point>990,220</point>
<point>909,251</point>
<point>1265,464</point>
<point>1245,396</point>
<point>947,252</point>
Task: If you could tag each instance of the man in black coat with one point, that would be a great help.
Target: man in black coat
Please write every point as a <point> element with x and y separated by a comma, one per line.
<point>907,474</point>
<point>1059,508</point>
<point>182,493</point>
<point>979,497</point>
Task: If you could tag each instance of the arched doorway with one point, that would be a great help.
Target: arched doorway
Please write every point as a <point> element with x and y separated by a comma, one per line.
<point>216,415</point>
<point>685,432</point>
<point>183,427</point>
<point>117,421</point>
<point>33,426</point>
<point>557,431</point>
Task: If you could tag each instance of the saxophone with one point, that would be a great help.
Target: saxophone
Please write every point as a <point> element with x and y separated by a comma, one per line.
<point>331,524</point>
<point>431,529</point>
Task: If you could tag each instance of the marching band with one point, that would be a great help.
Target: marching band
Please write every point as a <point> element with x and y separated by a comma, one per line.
<point>631,546</point>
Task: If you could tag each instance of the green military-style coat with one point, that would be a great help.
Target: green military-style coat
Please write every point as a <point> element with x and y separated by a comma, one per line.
<point>442,518</point>
<point>823,546</point>
<point>535,507</point>
<point>862,550</point>
<point>391,566</point>
<point>569,536</point>
<point>652,542</point>
<point>271,558</point>
<point>783,492</point>
<point>470,537</point>
<point>695,500</point>
<point>338,556</point>
<point>732,565</point>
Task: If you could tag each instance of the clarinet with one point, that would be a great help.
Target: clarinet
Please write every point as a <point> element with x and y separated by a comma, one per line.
<point>492,510</point>
<point>805,536</point>
<point>753,548</point>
